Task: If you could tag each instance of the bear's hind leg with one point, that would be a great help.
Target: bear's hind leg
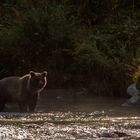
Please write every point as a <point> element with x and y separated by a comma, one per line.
<point>2,105</point>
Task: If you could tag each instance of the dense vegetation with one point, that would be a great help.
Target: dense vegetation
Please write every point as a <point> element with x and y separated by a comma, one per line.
<point>82,43</point>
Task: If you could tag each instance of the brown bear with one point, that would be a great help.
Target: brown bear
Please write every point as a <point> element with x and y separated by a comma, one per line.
<point>22,90</point>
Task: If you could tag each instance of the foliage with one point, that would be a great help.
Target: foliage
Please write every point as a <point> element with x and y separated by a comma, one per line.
<point>80,43</point>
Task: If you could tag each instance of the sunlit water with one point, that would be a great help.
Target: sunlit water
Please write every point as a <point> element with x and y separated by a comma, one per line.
<point>72,117</point>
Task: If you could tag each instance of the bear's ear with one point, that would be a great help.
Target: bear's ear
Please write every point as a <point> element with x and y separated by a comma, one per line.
<point>32,73</point>
<point>44,73</point>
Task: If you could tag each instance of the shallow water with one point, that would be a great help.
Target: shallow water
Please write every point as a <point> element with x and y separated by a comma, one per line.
<point>72,117</point>
<point>111,105</point>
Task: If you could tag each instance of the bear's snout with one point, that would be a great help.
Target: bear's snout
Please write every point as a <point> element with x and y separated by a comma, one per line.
<point>41,84</point>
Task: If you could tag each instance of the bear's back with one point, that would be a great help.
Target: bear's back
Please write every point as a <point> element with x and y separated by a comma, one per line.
<point>10,86</point>
<point>9,81</point>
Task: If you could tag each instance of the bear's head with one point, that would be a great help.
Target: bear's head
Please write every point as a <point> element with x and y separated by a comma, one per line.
<point>37,80</point>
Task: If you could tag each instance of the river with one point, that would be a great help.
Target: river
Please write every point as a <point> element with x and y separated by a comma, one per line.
<point>72,117</point>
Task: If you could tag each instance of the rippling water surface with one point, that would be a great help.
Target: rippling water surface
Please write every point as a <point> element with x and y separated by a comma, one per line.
<point>72,117</point>
<point>110,105</point>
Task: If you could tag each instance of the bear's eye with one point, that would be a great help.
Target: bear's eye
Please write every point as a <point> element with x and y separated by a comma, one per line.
<point>36,80</point>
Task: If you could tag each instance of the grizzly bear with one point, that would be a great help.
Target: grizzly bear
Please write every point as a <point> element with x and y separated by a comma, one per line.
<point>22,90</point>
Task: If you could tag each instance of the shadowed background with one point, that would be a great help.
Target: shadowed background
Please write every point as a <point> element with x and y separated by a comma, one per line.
<point>90,44</point>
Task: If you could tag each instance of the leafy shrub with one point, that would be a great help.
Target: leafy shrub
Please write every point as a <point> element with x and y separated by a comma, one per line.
<point>80,43</point>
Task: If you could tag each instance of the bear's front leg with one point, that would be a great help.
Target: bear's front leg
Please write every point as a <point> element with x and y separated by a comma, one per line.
<point>22,106</point>
<point>32,102</point>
